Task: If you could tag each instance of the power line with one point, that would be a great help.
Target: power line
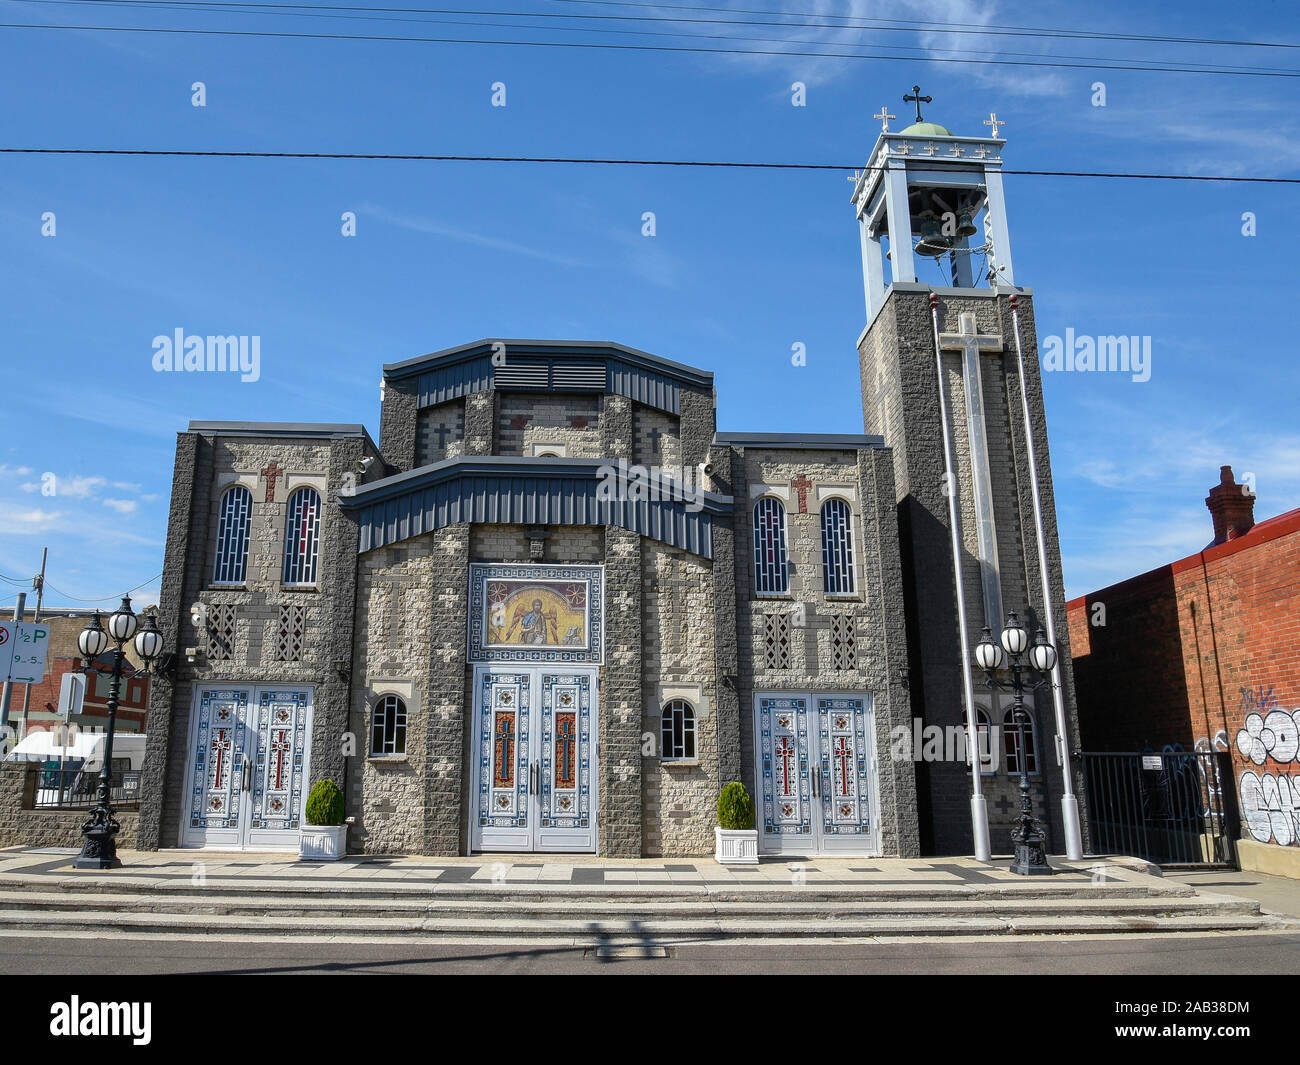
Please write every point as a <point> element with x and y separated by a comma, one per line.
<point>105,598</point>
<point>651,48</point>
<point>894,25</point>
<point>573,160</point>
<point>315,11</point>
<point>923,25</point>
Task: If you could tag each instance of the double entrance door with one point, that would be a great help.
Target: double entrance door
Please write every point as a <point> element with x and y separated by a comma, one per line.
<point>816,772</point>
<point>535,759</point>
<point>247,765</point>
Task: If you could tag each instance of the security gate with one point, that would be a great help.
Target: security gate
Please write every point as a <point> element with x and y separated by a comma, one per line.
<point>1171,807</point>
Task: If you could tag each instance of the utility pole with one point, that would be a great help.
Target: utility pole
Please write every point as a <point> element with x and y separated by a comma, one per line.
<point>40,595</point>
<point>9,684</point>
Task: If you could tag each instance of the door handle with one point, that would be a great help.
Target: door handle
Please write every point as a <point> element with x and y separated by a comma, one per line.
<point>817,782</point>
<point>248,774</point>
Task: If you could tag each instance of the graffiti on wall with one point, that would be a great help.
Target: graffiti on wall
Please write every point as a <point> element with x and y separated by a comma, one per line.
<point>1270,797</point>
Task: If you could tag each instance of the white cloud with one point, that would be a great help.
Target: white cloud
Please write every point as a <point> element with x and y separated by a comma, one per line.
<point>21,522</point>
<point>77,487</point>
<point>439,229</point>
<point>122,506</point>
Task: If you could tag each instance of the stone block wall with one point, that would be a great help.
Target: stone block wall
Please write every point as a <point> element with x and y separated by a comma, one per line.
<point>901,402</point>
<point>805,640</point>
<point>440,432</point>
<point>679,798</point>
<point>22,826</point>
<point>259,632</point>
<point>525,420</point>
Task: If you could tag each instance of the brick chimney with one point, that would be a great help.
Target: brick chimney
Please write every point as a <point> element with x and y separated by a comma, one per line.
<point>1232,506</point>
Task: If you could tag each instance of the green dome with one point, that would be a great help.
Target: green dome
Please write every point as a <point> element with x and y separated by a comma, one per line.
<point>925,129</point>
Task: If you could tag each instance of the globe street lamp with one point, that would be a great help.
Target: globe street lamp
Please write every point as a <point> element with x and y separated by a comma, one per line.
<point>1027,835</point>
<point>99,849</point>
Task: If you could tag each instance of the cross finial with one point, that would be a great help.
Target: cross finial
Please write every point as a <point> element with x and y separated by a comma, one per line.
<point>915,97</point>
<point>884,117</point>
<point>994,121</point>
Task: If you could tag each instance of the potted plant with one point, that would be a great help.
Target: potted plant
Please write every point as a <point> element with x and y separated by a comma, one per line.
<point>735,837</point>
<point>324,836</point>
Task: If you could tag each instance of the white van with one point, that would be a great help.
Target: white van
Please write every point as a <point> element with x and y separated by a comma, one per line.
<point>86,749</point>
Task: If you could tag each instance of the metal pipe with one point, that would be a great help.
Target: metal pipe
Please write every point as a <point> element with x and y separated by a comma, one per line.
<point>979,813</point>
<point>1069,804</point>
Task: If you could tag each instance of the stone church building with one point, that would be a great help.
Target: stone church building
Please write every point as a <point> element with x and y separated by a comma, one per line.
<point>554,608</point>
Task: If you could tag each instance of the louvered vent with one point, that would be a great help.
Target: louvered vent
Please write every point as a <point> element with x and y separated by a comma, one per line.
<point>578,376</point>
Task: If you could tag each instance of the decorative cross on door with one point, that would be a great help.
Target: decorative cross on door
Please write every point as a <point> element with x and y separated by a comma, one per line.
<point>279,749</point>
<point>972,344</point>
<point>843,756</point>
<point>505,749</point>
<point>219,746</point>
<point>785,754</point>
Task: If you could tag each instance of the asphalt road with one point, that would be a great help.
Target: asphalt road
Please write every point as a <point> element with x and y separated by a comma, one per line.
<point>1166,955</point>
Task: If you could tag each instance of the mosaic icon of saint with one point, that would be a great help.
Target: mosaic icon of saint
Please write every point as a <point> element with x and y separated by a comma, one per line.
<point>535,624</point>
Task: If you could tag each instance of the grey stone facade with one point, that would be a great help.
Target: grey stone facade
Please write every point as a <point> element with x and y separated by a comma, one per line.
<point>682,619</point>
<point>901,403</point>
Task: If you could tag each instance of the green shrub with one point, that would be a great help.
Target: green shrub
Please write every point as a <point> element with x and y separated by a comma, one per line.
<point>325,804</point>
<point>735,807</point>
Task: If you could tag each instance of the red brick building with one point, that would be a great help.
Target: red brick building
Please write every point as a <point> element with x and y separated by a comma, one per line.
<point>64,657</point>
<point>1207,648</point>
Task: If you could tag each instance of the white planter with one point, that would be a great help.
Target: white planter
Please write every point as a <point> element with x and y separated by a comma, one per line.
<point>736,846</point>
<point>322,843</point>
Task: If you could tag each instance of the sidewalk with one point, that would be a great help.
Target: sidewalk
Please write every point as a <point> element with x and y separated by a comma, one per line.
<point>410,873</point>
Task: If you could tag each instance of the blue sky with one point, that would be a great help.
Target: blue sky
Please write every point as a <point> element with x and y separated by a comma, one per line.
<point>744,264</point>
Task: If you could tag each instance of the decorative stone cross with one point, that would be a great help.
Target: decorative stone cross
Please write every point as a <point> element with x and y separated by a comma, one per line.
<point>972,344</point>
<point>519,421</point>
<point>930,148</point>
<point>271,471</point>
<point>655,435</point>
<point>441,432</point>
<point>884,117</point>
<point>994,121</point>
<point>801,484</point>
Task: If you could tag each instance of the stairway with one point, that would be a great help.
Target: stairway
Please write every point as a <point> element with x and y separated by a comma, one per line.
<point>610,914</point>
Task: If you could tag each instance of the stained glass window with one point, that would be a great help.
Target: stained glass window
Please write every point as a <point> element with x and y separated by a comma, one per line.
<point>771,566</point>
<point>302,537</point>
<point>232,536</point>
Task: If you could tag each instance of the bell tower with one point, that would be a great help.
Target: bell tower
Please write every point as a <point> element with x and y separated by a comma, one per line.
<point>950,378</point>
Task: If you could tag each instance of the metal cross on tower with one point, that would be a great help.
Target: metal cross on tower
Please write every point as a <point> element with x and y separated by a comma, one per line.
<point>994,121</point>
<point>915,97</point>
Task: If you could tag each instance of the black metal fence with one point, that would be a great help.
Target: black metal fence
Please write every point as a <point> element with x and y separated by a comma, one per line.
<point>75,789</point>
<point>1169,807</point>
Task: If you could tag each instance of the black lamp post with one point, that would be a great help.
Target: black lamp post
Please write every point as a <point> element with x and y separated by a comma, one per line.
<point>99,850</point>
<point>1027,835</point>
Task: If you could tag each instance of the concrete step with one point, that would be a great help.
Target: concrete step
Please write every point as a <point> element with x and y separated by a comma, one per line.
<point>508,907</point>
<point>524,890</point>
<point>608,929</point>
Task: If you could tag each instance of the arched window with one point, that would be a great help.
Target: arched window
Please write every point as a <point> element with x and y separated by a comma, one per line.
<point>388,727</point>
<point>677,731</point>
<point>232,536</point>
<point>771,567</point>
<point>302,537</point>
<point>1017,736</point>
<point>837,547</point>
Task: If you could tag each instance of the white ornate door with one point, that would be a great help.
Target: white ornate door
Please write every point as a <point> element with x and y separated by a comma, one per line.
<point>502,817</point>
<point>815,770</point>
<point>534,766</point>
<point>566,767</point>
<point>249,753</point>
